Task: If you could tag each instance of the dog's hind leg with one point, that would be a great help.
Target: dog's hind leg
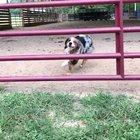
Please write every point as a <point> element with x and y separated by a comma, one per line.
<point>83,63</point>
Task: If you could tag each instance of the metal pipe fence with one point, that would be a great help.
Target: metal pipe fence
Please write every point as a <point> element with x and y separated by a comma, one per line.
<point>119,31</point>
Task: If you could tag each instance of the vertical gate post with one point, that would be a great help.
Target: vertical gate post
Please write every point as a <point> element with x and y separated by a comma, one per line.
<point>119,38</point>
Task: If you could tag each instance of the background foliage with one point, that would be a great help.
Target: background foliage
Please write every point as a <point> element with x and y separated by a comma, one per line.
<point>71,10</point>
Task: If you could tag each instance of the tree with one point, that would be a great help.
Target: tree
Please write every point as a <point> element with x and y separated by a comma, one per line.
<point>15,11</point>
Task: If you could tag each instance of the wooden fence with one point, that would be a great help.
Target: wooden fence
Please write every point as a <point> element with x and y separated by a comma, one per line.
<point>33,18</point>
<point>16,20</point>
<point>5,19</point>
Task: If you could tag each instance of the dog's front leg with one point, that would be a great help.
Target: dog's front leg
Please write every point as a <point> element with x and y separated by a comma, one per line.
<point>83,63</point>
<point>70,69</point>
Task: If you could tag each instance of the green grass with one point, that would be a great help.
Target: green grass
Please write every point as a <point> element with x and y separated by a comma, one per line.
<point>42,116</point>
<point>2,88</point>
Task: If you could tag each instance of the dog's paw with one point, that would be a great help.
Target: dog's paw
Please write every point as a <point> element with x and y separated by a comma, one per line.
<point>65,63</point>
<point>81,66</point>
<point>67,74</point>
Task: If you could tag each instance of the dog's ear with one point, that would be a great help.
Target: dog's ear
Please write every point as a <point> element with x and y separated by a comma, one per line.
<point>67,40</point>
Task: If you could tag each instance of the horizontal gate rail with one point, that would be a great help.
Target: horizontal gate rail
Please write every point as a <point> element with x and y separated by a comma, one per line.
<point>59,78</point>
<point>57,3</point>
<point>132,55</point>
<point>59,57</point>
<point>68,78</point>
<point>132,77</point>
<point>62,3</point>
<point>64,57</point>
<point>118,30</point>
<point>131,29</point>
<point>131,1</point>
<point>60,31</point>
<point>69,31</point>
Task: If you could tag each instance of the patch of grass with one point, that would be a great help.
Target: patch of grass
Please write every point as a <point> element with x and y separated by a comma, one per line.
<point>43,116</point>
<point>2,88</point>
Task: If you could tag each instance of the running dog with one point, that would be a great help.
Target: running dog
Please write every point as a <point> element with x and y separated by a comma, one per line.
<point>81,44</point>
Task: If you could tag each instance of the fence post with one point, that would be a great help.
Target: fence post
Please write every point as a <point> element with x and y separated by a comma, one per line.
<point>119,38</point>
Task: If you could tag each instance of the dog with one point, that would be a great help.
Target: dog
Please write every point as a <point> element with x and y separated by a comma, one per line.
<point>81,44</point>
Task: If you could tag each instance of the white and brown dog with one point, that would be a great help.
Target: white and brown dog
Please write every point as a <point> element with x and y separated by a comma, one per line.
<point>81,44</point>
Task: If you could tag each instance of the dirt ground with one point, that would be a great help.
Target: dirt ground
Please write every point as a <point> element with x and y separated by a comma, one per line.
<point>55,44</point>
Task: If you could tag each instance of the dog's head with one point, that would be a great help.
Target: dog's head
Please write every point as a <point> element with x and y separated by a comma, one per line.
<point>72,45</point>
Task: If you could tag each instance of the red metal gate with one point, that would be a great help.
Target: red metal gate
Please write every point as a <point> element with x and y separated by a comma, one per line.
<point>119,30</point>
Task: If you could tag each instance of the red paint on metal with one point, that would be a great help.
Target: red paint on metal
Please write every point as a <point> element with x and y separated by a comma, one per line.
<point>132,55</point>
<point>131,1</point>
<point>70,31</point>
<point>62,3</point>
<point>68,78</point>
<point>131,29</point>
<point>132,77</point>
<point>56,3</point>
<point>119,38</point>
<point>59,57</point>
<point>118,30</point>
<point>60,78</point>
<point>60,31</point>
<point>64,57</point>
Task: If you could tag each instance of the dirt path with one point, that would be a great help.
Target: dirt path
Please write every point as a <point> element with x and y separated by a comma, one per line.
<point>55,44</point>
